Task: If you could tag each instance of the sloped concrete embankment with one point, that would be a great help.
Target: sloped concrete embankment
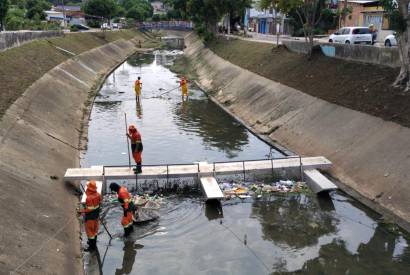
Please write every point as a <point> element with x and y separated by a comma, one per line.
<point>371,157</point>
<point>39,137</point>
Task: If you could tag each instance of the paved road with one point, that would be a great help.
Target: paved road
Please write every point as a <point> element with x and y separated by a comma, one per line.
<point>271,39</point>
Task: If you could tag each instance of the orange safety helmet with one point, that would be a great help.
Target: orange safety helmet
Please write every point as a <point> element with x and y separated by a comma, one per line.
<point>92,186</point>
<point>132,128</point>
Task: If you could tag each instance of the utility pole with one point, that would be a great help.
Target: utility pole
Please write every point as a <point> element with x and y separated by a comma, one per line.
<point>64,18</point>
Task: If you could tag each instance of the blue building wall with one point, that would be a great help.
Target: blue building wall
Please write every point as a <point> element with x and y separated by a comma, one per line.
<point>262,26</point>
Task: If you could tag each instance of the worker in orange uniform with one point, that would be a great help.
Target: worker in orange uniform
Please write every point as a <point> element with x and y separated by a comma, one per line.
<point>137,88</point>
<point>92,214</point>
<point>184,88</point>
<point>136,146</point>
<point>124,197</point>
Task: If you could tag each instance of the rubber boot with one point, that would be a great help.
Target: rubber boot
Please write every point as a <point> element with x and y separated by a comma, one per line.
<point>127,231</point>
<point>139,168</point>
<point>92,245</point>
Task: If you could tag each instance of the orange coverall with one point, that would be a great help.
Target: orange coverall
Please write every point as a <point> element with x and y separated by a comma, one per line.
<point>124,198</point>
<point>92,210</point>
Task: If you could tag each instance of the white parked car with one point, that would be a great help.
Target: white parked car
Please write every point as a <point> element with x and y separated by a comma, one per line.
<point>106,26</point>
<point>352,35</point>
<point>390,40</point>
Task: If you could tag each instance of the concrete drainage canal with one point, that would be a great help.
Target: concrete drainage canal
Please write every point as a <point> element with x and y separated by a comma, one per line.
<point>267,223</point>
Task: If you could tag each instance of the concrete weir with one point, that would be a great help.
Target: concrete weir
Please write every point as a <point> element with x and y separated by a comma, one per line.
<point>371,156</point>
<point>205,172</point>
<point>39,137</point>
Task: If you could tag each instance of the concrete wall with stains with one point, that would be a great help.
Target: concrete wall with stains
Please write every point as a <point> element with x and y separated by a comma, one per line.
<point>358,53</point>
<point>39,137</point>
<point>371,156</point>
<point>16,38</point>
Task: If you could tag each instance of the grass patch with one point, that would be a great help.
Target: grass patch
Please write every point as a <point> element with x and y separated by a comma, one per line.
<point>358,86</point>
<point>22,66</point>
<point>183,66</point>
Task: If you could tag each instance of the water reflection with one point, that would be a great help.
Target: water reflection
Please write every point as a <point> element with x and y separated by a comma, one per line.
<point>107,105</point>
<point>377,257</point>
<point>213,210</point>
<point>295,221</point>
<point>216,128</point>
<point>139,59</point>
<point>139,109</point>
<point>173,131</point>
<point>294,234</point>
<point>130,252</point>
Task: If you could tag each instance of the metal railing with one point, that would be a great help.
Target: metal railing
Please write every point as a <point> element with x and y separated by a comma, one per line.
<point>169,25</point>
<point>214,165</point>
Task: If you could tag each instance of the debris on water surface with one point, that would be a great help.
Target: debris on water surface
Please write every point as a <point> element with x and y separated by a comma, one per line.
<point>257,190</point>
<point>146,207</point>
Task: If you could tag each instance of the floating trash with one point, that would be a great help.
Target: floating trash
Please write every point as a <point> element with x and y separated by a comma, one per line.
<point>147,208</point>
<point>257,190</point>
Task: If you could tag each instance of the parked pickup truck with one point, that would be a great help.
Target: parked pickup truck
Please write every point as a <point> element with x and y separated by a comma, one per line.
<point>352,35</point>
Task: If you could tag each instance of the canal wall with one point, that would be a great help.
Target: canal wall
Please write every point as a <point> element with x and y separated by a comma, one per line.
<point>371,156</point>
<point>358,53</point>
<point>39,137</point>
<point>16,38</point>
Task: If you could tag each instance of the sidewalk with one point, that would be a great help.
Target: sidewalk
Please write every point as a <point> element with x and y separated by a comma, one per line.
<point>267,38</point>
<point>271,39</point>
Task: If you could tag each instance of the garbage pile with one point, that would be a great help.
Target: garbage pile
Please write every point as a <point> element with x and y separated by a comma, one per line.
<point>257,190</point>
<point>146,208</point>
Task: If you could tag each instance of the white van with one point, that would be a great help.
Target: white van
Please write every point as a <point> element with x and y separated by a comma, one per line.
<point>352,35</point>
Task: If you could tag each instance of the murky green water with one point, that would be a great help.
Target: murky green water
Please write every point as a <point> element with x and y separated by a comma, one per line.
<point>280,234</point>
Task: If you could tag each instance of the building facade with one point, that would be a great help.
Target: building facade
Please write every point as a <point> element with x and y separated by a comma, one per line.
<point>365,13</point>
<point>266,21</point>
<point>159,7</point>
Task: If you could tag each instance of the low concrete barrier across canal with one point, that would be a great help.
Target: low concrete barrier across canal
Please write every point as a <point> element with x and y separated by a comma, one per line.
<point>306,167</point>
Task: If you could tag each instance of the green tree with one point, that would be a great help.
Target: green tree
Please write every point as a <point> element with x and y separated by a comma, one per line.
<point>398,13</point>
<point>15,19</point>
<point>206,13</point>
<point>21,4</point>
<point>309,13</point>
<point>4,6</point>
<point>36,8</point>
<point>135,13</point>
<point>137,9</point>
<point>103,8</point>
<point>179,9</point>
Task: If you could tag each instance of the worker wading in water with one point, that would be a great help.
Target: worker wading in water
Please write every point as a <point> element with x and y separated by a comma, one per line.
<point>136,146</point>
<point>184,88</point>
<point>137,88</point>
<point>128,207</point>
<point>91,214</point>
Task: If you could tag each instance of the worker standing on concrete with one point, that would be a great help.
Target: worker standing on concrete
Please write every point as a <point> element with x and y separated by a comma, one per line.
<point>136,147</point>
<point>91,214</point>
<point>184,87</point>
<point>137,88</point>
<point>124,197</point>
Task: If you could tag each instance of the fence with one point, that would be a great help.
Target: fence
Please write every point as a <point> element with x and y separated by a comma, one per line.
<point>169,25</point>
